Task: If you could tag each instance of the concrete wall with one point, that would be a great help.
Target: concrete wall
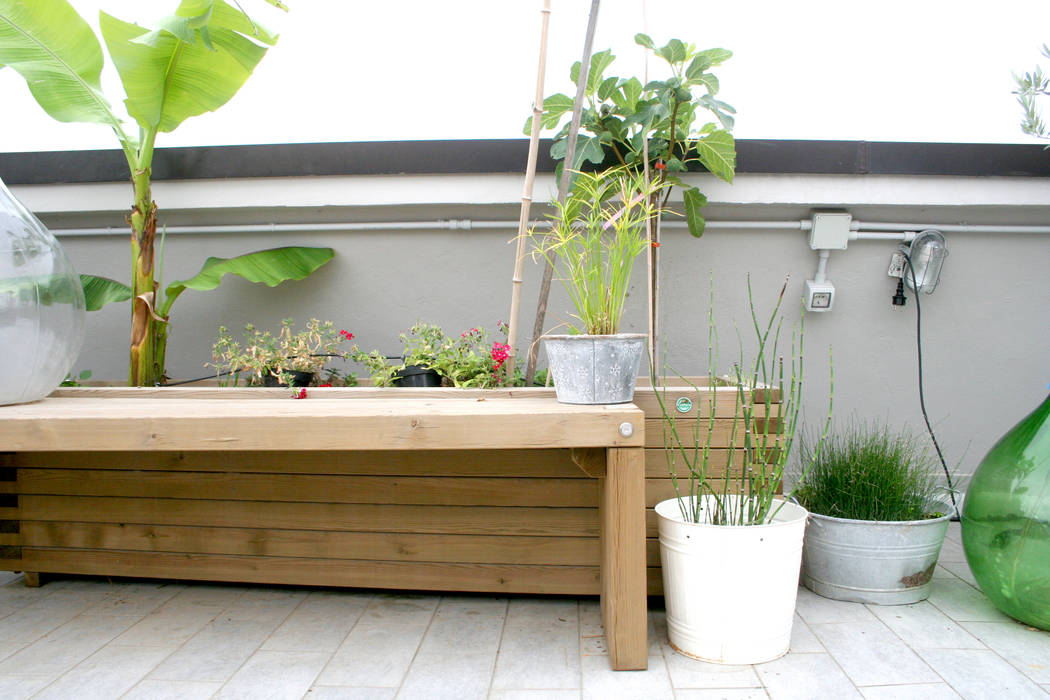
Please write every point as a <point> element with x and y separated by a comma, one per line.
<point>985,331</point>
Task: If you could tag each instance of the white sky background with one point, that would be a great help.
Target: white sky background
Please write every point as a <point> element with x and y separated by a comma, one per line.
<point>348,70</point>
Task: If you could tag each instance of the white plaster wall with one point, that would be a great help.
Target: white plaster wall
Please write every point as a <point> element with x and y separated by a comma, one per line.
<point>986,330</point>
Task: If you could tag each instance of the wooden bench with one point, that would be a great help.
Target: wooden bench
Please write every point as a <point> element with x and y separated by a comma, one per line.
<point>239,485</point>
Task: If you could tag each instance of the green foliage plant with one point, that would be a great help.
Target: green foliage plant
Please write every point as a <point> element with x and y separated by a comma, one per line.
<point>596,234</point>
<point>765,419</point>
<point>263,354</point>
<point>869,472</point>
<point>663,126</point>
<point>1031,86</point>
<point>469,361</point>
<point>192,62</point>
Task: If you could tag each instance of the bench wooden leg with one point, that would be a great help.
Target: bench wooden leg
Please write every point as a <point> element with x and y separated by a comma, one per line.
<point>624,604</point>
<point>32,579</point>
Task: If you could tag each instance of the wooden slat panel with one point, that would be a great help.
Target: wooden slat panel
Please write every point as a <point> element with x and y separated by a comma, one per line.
<point>57,424</point>
<point>317,488</point>
<point>575,551</point>
<point>525,463</point>
<point>563,580</point>
<point>476,520</point>
<point>10,539</point>
<point>725,403</point>
<point>720,435</point>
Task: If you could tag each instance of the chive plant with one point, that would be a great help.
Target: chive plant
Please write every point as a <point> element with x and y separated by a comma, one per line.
<point>869,472</point>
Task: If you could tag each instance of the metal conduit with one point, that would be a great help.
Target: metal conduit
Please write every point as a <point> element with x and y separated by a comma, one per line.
<point>874,231</point>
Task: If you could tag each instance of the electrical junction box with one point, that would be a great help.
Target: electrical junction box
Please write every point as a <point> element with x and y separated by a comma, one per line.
<point>830,230</point>
<point>820,296</point>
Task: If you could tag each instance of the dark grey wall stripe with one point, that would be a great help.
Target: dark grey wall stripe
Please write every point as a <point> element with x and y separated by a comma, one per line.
<point>508,155</point>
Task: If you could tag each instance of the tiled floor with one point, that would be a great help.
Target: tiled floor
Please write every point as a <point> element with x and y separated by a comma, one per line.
<point>90,638</point>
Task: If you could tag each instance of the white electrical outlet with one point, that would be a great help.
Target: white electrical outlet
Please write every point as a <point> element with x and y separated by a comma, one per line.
<point>897,263</point>
<point>820,296</point>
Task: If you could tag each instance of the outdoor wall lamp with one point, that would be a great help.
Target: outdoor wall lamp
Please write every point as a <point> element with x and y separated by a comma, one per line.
<point>926,255</point>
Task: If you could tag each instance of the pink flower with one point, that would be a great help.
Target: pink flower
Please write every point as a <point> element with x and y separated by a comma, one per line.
<point>347,334</point>
<point>323,385</point>
<point>301,394</point>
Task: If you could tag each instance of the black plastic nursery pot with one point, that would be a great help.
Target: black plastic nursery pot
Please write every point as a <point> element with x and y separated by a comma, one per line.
<point>417,376</point>
<point>299,378</point>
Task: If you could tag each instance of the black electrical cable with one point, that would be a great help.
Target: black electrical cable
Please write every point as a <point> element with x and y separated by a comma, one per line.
<point>922,397</point>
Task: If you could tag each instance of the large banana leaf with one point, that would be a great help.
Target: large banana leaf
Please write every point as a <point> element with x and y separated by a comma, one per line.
<point>271,267</point>
<point>99,291</point>
<point>195,64</point>
<point>54,49</point>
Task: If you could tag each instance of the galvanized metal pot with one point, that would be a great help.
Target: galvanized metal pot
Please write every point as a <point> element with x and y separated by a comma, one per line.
<point>866,561</point>
<point>595,369</point>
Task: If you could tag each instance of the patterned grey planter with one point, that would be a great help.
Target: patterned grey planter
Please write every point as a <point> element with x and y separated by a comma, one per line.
<point>595,369</point>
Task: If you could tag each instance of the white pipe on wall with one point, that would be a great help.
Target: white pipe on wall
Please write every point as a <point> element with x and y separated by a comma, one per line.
<point>877,231</point>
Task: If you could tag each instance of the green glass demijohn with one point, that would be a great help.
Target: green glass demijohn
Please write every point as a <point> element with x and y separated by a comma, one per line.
<point>1006,521</point>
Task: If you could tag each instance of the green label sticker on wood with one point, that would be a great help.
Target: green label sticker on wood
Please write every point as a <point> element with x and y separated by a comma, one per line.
<point>684,404</point>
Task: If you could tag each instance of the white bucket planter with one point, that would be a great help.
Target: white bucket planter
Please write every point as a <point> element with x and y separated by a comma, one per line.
<point>730,590</point>
<point>866,561</point>
<point>595,369</point>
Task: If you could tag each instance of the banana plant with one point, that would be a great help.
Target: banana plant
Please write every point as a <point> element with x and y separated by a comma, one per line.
<point>662,119</point>
<point>192,62</point>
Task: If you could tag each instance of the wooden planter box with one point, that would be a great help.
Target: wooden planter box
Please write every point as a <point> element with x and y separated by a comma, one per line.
<point>515,521</point>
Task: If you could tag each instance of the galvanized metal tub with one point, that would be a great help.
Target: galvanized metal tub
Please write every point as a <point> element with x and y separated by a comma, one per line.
<point>595,369</point>
<point>866,561</point>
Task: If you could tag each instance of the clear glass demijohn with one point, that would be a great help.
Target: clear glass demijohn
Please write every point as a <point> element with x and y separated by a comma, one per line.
<point>41,306</point>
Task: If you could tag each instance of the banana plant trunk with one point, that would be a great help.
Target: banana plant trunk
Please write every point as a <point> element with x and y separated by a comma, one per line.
<point>148,333</point>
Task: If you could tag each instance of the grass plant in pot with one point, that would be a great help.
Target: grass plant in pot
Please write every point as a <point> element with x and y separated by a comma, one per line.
<point>289,358</point>
<point>877,521</point>
<point>596,235</point>
<point>730,545</point>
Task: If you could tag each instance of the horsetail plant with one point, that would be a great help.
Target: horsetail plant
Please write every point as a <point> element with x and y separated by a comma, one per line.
<point>767,400</point>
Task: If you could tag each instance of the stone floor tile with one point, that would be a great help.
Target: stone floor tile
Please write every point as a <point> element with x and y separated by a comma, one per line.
<point>14,687</point>
<point>215,653</point>
<point>952,551</point>
<point>173,690</point>
<point>320,623</point>
<point>136,599</point>
<point>922,626</point>
<point>66,646</point>
<point>600,682</point>
<point>201,595</point>
<point>469,625</point>
<point>721,694</point>
<point>342,692</point>
<point>805,677</point>
<point>924,691</point>
<point>981,674</point>
<point>265,605</point>
<point>1027,649</point>
<point>166,626</point>
<point>381,646</point>
<point>535,694</point>
<point>960,569</point>
<point>686,672</point>
<point>871,654</point>
<point>108,673</point>
<point>448,675</point>
<point>540,648</point>
<point>962,602</point>
<point>815,609</point>
<point>274,675</point>
<point>803,641</point>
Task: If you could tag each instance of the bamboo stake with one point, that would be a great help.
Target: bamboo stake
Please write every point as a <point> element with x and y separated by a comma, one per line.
<point>563,186</point>
<point>526,196</point>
